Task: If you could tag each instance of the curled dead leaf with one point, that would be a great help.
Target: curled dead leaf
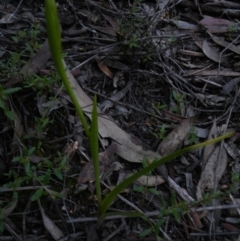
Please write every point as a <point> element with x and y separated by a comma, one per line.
<point>104,68</point>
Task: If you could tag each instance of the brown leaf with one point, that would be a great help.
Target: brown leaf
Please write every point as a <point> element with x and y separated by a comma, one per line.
<point>50,226</point>
<point>230,227</point>
<point>222,42</point>
<point>87,172</point>
<point>107,128</point>
<point>36,159</point>
<point>113,63</point>
<point>116,97</point>
<point>212,172</point>
<point>211,53</point>
<point>176,137</point>
<point>185,25</point>
<point>229,86</point>
<point>216,25</point>
<point>70,149</point>
<point>173,116</point>
<point>104,68</point>
<point>214,100</point>
<point>91,16</point>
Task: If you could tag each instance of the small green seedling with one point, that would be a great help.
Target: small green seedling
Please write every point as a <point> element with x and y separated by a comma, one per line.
<point>192,136</point>
<point>11,65</point>
<point>161,135</point>
<point>4,93</point>
<point>29,38</point>
<point>179,99</point>
<point>158,106</point>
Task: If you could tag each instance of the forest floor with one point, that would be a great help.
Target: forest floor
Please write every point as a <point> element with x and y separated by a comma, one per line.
<point>166,75</point>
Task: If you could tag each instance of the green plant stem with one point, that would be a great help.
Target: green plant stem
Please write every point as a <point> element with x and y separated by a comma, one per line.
<point>112,195</point>
<point>54,39</point>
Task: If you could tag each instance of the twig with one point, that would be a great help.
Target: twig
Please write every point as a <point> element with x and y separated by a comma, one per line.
<point>220,56</point>
<point>15,11</point>
<point>114,233</point>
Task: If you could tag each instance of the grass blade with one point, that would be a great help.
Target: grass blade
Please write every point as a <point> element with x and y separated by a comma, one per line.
<point>112,195</point>
<point>54,39</point>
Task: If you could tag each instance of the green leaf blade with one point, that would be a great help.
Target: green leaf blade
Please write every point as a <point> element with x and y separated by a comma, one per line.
<point>37,194</point>
<point>112,195</point>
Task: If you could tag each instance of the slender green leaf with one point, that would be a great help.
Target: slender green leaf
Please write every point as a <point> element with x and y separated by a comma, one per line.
<point>176,213</point>
<point>2,104</point>
<point>10,115</point>
<point>112,195</point>
<point>49,163</point>
<point>37,194</point>
<point>27,167</point>
<point>145,232</point>
<point>173,198</point>
<point>31,151</point>
<point>145,218</point>
<point>47,177</point>
<point>159,223</point>
<point>54,39</point>
<point>139,189</point>
<point>58,173</point>
<point>11,90</point>
<point>153,191</point>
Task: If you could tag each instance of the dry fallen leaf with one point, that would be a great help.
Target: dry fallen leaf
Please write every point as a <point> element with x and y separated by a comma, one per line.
<point>212,172</point>
<point>230,85</point>
<point>113,23</point>
<point>176,137</point>
<point>222,42</point>
<point>104,68</point>
<point>106,104</point>
<point>211,52</point>
<point>107,128</point>
<point>70,149</point>
<point>148,181</point>
<point>87,172</point>
<point>50,226</point>
<point>214,100</point>
<point>91,16</point>
<point>216,25</point>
